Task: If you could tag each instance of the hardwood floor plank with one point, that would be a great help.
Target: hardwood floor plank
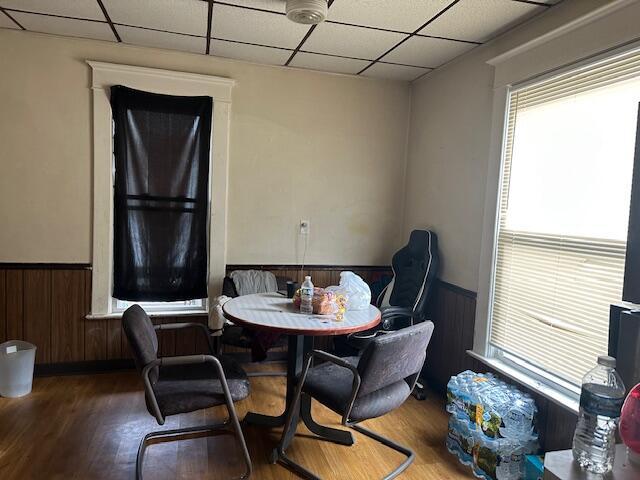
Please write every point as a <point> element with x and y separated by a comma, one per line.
<point>88,427</point>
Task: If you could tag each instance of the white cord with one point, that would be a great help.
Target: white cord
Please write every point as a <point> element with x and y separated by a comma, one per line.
<point>304,254</point>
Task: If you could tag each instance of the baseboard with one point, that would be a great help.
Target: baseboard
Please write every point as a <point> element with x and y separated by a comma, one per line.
<point>79,368</point>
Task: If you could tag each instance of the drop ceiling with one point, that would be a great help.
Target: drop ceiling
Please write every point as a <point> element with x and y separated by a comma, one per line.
<point>396,39</point>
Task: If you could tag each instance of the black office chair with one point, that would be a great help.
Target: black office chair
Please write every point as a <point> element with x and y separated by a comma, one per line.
<point>361,388</point>
<point>183,384</point>
<point>404,301</point>
<point>243,338</point>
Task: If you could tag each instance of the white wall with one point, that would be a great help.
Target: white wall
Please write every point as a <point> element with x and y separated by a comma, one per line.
<point>304,145</point>
<point>450,130</point>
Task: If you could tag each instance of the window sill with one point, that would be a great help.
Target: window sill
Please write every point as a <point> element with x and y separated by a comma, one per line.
<point>568,402</point>
<point>152,314</point>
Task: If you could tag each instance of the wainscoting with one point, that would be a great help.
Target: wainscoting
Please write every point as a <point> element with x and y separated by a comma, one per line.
<point>47,305</point>
<point>321,275</point>
<point>452,310</point>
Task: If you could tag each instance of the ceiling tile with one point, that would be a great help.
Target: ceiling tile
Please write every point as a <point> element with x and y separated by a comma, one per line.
<point>403,15</point>
<point>181,16</point>
<point>480,21</point>
<point>351,41</point>
<point>68,8</point>
<point>328,63</point>
<point>154,38</point>
<point>230,23</point>
<point>6,22</point>
<point>427,52</point>
<point>64,26</point>
<point>271,5</point>
<point>394,72</point>
<point>250,53</point>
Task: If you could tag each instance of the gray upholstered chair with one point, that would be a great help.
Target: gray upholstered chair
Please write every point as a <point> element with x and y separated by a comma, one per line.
<point>365,387</point>
<point>175,385</point>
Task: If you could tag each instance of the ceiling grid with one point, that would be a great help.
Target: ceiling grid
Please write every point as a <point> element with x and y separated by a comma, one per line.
<point>395,39</point>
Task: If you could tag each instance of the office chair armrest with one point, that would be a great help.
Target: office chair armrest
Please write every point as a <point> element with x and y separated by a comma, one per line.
<point>181,360</point>
<point>333,359</point>
<point>148,390</point>
<point>198,326</point>
<point>391,313</point>
<point>355,386</point>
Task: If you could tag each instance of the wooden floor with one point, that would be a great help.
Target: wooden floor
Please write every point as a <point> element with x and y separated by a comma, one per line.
<point>89,427</point>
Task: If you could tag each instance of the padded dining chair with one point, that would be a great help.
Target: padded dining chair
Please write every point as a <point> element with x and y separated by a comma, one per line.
<point>365,387</point>
<point>174,385</point>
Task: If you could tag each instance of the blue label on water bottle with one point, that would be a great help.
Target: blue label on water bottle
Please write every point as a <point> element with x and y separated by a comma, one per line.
<point>597,400</point>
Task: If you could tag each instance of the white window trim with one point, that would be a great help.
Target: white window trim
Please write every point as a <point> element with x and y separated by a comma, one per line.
<point>104,76</point>
<point>166,307</point>
<point>546,386</point>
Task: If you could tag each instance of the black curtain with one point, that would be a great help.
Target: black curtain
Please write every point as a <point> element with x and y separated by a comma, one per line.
<point>161,150</point>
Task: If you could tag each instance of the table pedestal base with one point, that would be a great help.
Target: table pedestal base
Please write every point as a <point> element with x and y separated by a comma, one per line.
<point>298,347</point>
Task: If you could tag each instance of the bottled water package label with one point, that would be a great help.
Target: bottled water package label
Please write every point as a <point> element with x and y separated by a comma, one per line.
<point>500,410</point>
<point>491,459</point>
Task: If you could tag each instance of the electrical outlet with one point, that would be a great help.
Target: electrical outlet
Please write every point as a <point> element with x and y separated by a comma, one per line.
<point>304,227</point>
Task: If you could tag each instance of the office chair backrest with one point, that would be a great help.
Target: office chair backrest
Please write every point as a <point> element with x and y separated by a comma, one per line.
<point>394,356</point>
<point>415,268</point>
<point>142,338</point>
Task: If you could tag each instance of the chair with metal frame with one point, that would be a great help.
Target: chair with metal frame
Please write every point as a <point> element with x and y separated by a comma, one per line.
<point>183,384</point>
<point>361,388</point>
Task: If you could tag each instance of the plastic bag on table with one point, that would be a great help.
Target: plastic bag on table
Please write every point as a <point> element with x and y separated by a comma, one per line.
<point>354,288</point>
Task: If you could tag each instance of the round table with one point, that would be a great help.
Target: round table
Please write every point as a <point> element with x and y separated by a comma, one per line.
<point>276,313</point>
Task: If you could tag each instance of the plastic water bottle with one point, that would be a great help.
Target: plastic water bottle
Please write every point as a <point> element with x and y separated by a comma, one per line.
<point>306,296</point>
<point>594,443</point>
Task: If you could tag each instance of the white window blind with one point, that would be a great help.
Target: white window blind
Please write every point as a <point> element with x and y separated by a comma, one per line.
<point>563,214</point>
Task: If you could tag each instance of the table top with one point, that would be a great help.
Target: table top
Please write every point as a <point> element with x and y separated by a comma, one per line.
<point>274,312</point>
<point>560,466</point>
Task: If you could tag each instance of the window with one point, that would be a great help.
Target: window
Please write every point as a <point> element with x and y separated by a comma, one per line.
<point>198,304</point>
<point>161,195</point>
<point>106,75</point>
<point>562,220</point>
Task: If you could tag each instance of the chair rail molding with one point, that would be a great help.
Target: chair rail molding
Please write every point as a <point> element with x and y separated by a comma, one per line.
<point>104,76</point>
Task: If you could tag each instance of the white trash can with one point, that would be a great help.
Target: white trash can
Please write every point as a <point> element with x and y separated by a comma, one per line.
<point>16,368</point>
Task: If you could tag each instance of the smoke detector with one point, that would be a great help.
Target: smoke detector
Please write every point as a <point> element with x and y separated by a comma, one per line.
<point>308,12</point>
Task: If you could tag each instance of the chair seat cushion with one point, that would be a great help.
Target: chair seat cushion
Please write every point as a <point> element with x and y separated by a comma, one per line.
<point>331,385</point>
<point>186,388</point>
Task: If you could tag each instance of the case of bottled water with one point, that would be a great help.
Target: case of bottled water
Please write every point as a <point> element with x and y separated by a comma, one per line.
<point>491,427</point>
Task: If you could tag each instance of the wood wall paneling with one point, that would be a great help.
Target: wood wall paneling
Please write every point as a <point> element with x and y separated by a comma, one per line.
<point>321,275</point>
<point>15,301</point>
<point>95,331</point>
<point>37,312</point>
<point>47,305</point>
<point>3,306</point>
<point>67,315</point>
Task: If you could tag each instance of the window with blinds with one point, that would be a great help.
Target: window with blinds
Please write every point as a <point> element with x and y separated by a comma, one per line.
<point>563,215</point>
